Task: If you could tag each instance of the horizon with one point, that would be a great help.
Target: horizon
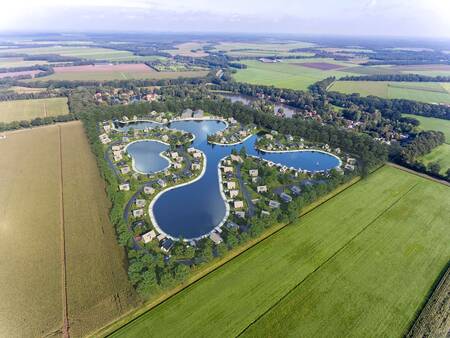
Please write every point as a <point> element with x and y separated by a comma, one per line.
<point>401,18</point>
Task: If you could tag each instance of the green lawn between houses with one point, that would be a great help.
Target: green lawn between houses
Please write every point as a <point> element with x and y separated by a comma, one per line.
<point>344,269</point>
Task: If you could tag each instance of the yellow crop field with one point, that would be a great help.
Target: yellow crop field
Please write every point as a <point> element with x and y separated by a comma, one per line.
<point>56,232</point>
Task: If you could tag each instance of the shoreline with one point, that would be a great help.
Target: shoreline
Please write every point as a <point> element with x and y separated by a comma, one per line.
<point>157,196</point>
<point>160,154</point>
<point>302,150</point>
<point>231,144</point>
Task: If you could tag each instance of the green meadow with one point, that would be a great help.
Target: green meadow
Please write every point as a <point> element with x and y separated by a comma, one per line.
<point>344,269</point>
<point>430,92</point>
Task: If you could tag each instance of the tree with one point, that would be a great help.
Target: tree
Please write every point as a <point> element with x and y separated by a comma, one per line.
<point>434,168</point>
<point>181,272</point>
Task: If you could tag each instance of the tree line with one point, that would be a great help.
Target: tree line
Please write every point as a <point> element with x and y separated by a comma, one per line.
<point>397,77</point>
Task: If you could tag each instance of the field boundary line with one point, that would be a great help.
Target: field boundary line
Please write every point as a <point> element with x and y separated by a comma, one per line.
<point>326,261</point>
<point>423,175</point>
<point>65,332</point>
<point>137,313</point>
<point>427,303</point>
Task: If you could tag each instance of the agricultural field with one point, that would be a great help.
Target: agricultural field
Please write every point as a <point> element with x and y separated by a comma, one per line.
<point>19,62</point>
<point>192,49</point>
<point>93,53</point>
<point>26,90</point>
<point>36,204</point>
<point>291,73</point>
<point>429,92</point>
<point>114,72</point>
<point>430,123</point>
<point>376,265</point>
<point>18,110</point>
<point>441,155</point>
<point>255,49</point>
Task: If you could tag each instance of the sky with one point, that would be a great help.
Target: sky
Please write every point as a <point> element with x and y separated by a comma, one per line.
<point>415,18</point>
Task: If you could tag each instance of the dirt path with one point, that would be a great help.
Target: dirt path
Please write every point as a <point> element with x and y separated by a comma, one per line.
<point>418,174</point>
<point>65,329</point>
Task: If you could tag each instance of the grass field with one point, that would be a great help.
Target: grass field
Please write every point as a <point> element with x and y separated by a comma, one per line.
<point>35,203</point>
<point>287,74</point>
<point>93,53</point>
<point>342,270</point>
<point>19,110</point>
<point>430,123</point>
<point>431,92</point>
<point>441,155</point>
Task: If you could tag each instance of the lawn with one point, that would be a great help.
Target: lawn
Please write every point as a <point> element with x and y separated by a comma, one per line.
<point>31,242</point>
<point>19,110</point>
<point>287,74</point>
<point>343,263</point>
<point>430,92</point>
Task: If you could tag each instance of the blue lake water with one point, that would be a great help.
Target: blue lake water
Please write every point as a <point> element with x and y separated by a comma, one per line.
<point>194,210</point>
<point>146,156</point>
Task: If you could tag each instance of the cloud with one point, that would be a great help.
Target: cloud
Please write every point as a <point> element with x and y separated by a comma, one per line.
<point>367,17</point>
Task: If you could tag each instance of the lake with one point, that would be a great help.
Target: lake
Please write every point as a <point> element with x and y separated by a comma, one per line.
<point>289,111</point>
<point>194,210</point>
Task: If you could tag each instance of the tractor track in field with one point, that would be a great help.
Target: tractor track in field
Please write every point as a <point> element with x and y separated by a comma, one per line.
<point>270,308</point>
<point>66,326</point>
